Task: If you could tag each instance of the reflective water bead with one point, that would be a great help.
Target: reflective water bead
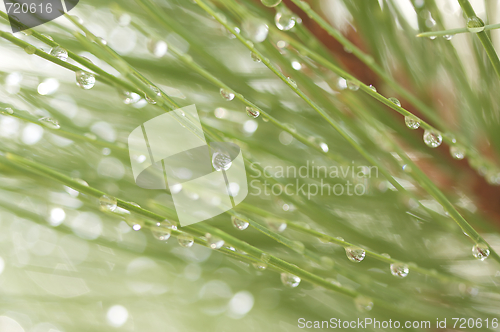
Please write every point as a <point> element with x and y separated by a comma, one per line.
<point>480,251</point>
<point>185,240</point>
<point>259,266</point>
<point>135,222</point>
<point>221,161</point>
<point>49,122</point>
<point>457,152</point>
<point>108,203</point>
<point>8,110</point>
<point>213,241</point>
<point>252,112</point>
<point>157,93</point>
<point>130,97</point>
<point>355,254</point>
<point>432,37</point>
<point>290,280</point>
<point>324,147</point>
<point>256,29</point>
<point>30,49</point>
<point>255,57</point>
<point>284,20</point>
<point>85,80</point>
<point>399,270</point>
<point>227,95</point>
<point>239,223</point>
<point>157,47</point>
<point>292,82</point>
<point>412,122</point>
<point>59,53</point>
<point>161,233</point>
<point>270,3</point>
<point>475,24</point>
<point>363,303</point>
<point>448,37</point>
<point>167,224</point>
<point>352,85</point>
<point>432,139</point>
<point>395,101</point>
<point>373,88</point>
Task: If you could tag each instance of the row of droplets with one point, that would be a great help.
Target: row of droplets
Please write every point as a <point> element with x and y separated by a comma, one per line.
<point>474,25</point>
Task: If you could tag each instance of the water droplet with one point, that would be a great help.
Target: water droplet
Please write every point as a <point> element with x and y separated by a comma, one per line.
<point>270,3</point>
<point>352,85</point>
<point>399,270</point>
<point>102,41</point>
<point>161,232</point>
<point>324,146</point>
<point>227,95</point>
<point>363,303</point>
<point>290,280</point>
<point>30,49</point>
<point>239,223</point>
<point>157,93</point>
<point>8,110</point>
<point>59,53</point>
<point>412,122</point>
<point>108,203</point>
<point>85,80</point>
<point>252,112</point>
<point>385,255</point>
<point>448,37</point>
<point>259,266</point>
<point>135,222</point>
<point>292,82</point>
<point>130,98</point>
<point>185,240</point>
<point>255,57</point>
<point>395,101</point>
<point>276,225</point>
<point>221,161</point>
<point>213,241</point>
<point>373,88</point>
<point>475,24</point>
<point>432,139</point>
<point>157,47</point>
<point>284,20</point>
<point>265,257</point>
<point>355,254</point>
<point>457,152</point>
<point>480,251</point>
<point>432,37</point>
<point>49,123</point>
<point>406,168</point>
<point>256,29</point>
<point>82,182</point>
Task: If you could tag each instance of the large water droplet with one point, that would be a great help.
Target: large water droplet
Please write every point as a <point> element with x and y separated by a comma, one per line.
<point>292,82</point>
<point>290,280</point>
<point>185,240</point>
<point>355,254</point>
<point>59,53</point>
<point>457,152</point>
<point>213,241</point>
<point>161,232</point>
<point>353,85</point>
<point>135,222</point>
<point>30,49</point>
<point>221,161</point>
<point>363,303</point>
<point>412,122</point>
<point>480,251</point>
<point>284,20</point>
<point>270,3</point>
<point>432,139</point>
<point>157,47</point>
<point>255,57</point>
<point>108,203</point>
<point>395,101</point>
<point>399,270</point>
<point>7,110</point>
<point>239,223</point>
<point>256,29</point>
<point>130,97</point>
<point>85,80</point>
<point>49,123</point>
<point>373,88</point>
<point>227,95</point>
<point>448,37</point>
<point>252,112</point>
<point>475,24</point>
<point>324,147</point>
